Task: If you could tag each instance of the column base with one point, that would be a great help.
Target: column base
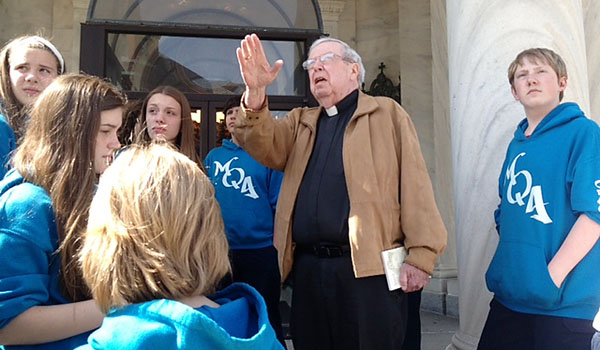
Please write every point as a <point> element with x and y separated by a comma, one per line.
<point>441,296</point>
<point>462,341</point>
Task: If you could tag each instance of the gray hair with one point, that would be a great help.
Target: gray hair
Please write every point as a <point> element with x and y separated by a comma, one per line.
<point>348,53</point>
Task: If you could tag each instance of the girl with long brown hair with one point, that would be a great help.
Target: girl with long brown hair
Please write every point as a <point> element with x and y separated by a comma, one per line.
<point>167,116</point>
<point>44,203</point>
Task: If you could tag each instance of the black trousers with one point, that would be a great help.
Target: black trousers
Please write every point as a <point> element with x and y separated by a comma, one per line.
<point>259,268</point>
<point>333,310</point>
<point>507,329</point>
<point>412,339</point>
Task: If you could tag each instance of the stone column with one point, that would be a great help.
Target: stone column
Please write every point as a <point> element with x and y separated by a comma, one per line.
<point>592,28</point>
<point>414,53</point>
<point>62,33</point>
<point>330,12</point>
<point>377,37</point>
<point>80,9</point>
<point>421,97</point>
<point>483,38</point>
<point>446,270</point>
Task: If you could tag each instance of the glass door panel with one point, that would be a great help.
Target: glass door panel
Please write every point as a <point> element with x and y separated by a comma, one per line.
<point>196,64</point>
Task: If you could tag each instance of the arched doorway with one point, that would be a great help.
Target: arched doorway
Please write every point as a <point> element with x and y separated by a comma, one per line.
<point>190,44</point>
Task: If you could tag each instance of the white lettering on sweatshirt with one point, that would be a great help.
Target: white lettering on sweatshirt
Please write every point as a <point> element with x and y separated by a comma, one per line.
<point>240,182</point>
<point>533,194</point>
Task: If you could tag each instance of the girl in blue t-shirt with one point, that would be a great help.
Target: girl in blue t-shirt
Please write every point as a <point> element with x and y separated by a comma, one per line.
<point>28,64</point>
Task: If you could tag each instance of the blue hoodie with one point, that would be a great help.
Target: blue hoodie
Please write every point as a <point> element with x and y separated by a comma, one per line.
<point>240,323</point>
<point>8,143</point>
<point>247,193</point>
<point>546,182</point>
<point>28,263</point>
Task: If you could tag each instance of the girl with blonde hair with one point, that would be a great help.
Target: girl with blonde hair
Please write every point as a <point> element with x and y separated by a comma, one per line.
<point>153,252</point>
<point>28,64</point>
<point>248,210</point>
<point>44,203</point>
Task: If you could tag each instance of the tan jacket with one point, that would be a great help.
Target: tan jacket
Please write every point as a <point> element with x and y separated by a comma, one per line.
<point>381,157</point>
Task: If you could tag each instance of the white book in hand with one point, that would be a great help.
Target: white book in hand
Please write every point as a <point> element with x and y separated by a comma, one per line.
<point>392,263</point>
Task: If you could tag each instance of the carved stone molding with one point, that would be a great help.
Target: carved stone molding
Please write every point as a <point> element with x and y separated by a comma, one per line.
<point>331,10</point>
<point>81,4</point>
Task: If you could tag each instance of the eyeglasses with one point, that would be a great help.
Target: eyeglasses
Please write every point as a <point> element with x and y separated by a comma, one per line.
<point>324,58</point>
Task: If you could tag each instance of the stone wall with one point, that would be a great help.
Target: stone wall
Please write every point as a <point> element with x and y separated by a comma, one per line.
<point>59,20</point>
<point>25,17</point>
<point>591,10</point>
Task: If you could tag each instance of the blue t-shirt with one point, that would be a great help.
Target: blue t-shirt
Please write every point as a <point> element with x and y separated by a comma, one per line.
<point>8,143</point>
<point>547,181</point>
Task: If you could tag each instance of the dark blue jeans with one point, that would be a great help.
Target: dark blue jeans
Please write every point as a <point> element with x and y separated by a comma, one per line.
<point>507,329</point>
<point>259,268</point>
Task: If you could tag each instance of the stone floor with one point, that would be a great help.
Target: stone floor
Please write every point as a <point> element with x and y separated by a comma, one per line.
<point>437,331</point>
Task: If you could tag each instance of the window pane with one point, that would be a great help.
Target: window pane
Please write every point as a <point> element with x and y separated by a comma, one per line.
<point>297,14</point>
<point>277,114</point>
<point>196,65</point>
<point>197,116</point>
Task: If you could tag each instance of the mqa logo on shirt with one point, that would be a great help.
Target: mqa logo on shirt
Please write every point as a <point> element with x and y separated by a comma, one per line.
<point>236,178</point>
<point>533,194</point>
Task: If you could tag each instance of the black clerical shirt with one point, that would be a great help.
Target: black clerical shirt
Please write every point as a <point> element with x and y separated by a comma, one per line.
<point>322,206</point>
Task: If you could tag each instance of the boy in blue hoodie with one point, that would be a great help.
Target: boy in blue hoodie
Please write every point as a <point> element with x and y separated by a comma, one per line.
<point>247,192</point>
<point>544,274</point>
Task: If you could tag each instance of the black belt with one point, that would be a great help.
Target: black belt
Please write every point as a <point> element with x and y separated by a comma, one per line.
<point>324,250</point>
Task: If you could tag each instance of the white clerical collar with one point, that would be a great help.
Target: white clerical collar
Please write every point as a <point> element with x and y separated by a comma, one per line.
<point>331,111</point>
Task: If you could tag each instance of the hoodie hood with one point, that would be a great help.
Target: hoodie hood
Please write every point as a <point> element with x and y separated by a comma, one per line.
<point>8,143</point>
<point>562,114</point>
<point>230,145</point>
<point>12,179</point>
<point>241,322</point>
